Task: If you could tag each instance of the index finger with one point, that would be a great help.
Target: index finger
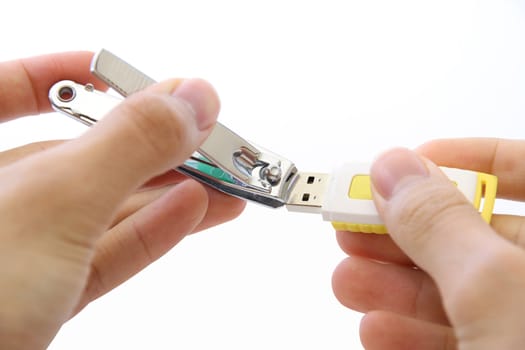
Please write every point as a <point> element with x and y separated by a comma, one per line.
<point>503,158</point>
<point>24,83</point>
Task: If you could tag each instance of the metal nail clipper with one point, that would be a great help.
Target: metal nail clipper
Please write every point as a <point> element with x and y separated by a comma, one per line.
<point>233,165</point>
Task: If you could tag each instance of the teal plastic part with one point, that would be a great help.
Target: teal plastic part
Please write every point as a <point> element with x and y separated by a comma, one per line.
<point>210,170</point>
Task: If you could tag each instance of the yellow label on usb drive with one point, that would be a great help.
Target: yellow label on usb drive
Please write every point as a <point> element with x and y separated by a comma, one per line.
<point>360,187</point>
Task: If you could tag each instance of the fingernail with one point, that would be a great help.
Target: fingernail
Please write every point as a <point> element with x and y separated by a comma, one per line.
<point>393,167</point>
<point>202,99</point>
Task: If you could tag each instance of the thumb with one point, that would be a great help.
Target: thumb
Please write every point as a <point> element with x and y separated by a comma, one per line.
<point>428,217</point>
<point>86,179</point>
<point>149,133</point>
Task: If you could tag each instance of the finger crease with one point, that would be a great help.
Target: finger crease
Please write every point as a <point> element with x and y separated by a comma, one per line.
<point>418,297</point>
<point>140,237</point>
<point>95,284</point>
<point>32,85</point>
<point>494,156</point>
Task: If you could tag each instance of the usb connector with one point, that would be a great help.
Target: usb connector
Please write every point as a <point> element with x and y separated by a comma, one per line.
<point>342,198</point>
<point>308,193</point>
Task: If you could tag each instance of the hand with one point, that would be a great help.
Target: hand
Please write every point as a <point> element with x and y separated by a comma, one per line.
<point>443,279</point>
<point>80,217</point>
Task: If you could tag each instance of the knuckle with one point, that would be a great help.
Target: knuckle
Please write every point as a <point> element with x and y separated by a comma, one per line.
<point>156,123</point>
<point>424,206</point>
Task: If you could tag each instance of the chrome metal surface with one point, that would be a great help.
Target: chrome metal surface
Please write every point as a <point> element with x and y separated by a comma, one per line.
<point>126,79</point>
<point>118,74</point>
<point>83,102</point>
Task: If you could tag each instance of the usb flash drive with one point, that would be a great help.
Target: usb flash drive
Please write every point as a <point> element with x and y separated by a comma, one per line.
<point>345,198</point>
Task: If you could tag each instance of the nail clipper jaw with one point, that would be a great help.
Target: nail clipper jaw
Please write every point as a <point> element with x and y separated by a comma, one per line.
<point>271,196</point>
<point>256,174</point>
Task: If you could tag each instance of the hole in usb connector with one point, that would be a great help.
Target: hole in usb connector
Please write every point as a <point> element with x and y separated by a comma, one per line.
<point>310,180</point>
<point>306,197</point>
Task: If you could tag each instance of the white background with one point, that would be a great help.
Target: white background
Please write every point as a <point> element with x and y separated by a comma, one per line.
<point>320,82</point>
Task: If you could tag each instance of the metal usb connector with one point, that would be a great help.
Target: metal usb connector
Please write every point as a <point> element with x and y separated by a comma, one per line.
<point>308,193</point>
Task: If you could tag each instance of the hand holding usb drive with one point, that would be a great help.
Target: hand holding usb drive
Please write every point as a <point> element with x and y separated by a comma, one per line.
<point>233,165</point>
<point>345,197</point>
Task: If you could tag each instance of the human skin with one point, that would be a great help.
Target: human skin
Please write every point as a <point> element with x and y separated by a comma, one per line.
<point>80,217</point>
<point>443,279</point>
